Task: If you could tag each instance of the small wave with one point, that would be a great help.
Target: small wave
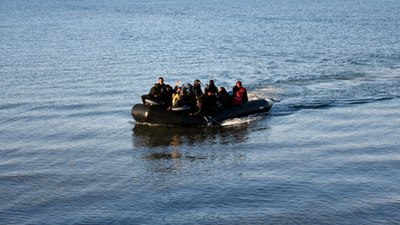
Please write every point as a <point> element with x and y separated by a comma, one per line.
<point>238,121</point>
<point>286,108</point>
<point>63,106</point>
<point>368,100</point>
<point>316,104</point>
<point>12,106</point>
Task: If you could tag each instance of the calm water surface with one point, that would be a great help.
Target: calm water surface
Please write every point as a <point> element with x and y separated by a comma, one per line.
<point>327,153</point>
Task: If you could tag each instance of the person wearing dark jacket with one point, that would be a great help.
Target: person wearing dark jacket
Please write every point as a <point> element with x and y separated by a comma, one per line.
<point>211,87</point>
<point>223,97</point>
<point>158,93</point>
<point>197,88</point>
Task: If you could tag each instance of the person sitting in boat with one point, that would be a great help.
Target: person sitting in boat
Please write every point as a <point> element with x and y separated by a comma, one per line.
<point>197,88</point>
<point>223,97</point>
<point>207,103</point>
<point>158,93</point>
<point>189,89</point>
<point>182,102</point>
<point>212,103</point>
<point>239,94</point>
<point>192,96</point>
<point>166,95</point>
<point>211,87</point>
<point>200,105</point>
<point>176,96</point>
<point>212,96</point>
<point>184,98</point>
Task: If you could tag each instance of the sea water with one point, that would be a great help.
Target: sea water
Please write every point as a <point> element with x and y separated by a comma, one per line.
<point>327,152</point>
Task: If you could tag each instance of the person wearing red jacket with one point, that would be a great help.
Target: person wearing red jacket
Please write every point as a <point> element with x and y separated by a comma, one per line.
<point>239,94</point>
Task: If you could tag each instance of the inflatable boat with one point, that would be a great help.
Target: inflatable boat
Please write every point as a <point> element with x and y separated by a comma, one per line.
<point>154,114</point>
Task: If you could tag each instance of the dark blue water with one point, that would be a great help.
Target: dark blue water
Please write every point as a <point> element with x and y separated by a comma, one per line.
<point>327,153</point>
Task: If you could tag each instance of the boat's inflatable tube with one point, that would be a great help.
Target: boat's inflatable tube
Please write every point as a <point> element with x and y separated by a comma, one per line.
<point>158,115</point>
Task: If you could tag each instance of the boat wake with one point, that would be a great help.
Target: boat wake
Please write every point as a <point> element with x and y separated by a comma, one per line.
<point>239,121</point>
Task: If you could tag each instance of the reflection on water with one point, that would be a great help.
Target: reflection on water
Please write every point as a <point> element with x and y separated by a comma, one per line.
<point>159,136</point>
<point>168,149</point>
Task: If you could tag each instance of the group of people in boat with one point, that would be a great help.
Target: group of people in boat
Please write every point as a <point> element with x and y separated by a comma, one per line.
<point>192,99</point>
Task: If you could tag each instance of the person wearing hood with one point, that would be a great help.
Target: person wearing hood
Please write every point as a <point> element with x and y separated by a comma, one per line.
<point>197,88</point>
<point>239,94</point>
<point>211,87</point>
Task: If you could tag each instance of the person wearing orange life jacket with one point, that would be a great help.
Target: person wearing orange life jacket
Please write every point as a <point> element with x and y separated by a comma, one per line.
<point>239,94</point>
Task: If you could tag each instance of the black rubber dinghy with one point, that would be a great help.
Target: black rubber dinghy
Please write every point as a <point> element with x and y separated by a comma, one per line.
<point>159,115</point>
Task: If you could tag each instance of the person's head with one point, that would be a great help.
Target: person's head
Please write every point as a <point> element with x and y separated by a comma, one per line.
<point>189,88</point>
<point>197,82</point>
<point>161,80</point>
<point>238,84</point>
<point>221,89</point>
<point>211,82</point>
<point>184,91</point>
